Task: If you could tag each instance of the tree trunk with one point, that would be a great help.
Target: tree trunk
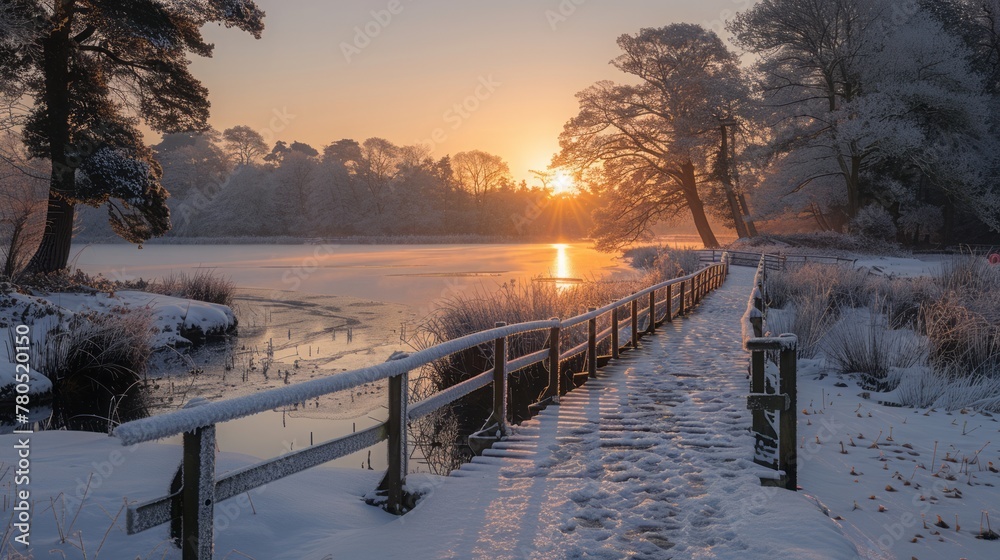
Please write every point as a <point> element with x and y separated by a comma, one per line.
<point>53,252</point>
<point>727,185</point>
<point>751,226</point>
<point>690,188</point>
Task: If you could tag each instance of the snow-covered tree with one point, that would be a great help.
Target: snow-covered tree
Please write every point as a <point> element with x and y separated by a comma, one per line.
<point>191,161</point>
<point>480,173</point>
<point>90,64</point>
<point>244,144</point>
<point>657,141</point>
<point>867,102</point>
<point>377,170</point>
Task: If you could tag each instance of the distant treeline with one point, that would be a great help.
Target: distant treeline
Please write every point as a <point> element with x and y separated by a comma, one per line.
<point>229,185</point>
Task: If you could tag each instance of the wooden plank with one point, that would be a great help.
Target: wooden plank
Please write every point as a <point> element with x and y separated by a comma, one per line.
<point>768,402</point>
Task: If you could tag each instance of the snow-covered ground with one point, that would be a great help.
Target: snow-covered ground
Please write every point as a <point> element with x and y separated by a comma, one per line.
<point>650,460</point>
<point>170,316</point>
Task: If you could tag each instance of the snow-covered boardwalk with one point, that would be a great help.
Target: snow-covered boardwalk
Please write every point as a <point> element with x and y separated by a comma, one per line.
<point>649,460</point>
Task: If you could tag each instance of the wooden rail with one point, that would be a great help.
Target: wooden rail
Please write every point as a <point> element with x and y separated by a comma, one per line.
<point>772,262</point>
<point>772,398</point>
<point>190,509</point>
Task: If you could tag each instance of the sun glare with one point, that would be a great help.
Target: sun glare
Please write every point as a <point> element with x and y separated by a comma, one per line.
<point>563,183</point>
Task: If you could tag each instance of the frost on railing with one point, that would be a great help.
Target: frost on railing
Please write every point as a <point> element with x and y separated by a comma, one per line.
<point>772,398</point>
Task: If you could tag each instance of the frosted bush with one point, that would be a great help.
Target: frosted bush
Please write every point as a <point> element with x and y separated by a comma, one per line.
<point>873,222</point>
<point>862,343</point>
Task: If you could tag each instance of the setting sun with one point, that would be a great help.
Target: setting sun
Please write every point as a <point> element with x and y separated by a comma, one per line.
<point>563,183</point>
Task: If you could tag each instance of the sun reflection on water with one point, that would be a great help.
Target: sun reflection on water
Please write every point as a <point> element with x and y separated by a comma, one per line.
<point>563,267</point>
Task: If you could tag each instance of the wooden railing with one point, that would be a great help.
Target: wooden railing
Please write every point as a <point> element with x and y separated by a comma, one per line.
<point>190,508</point>
<point>772,397</point>
<point>772,262</point>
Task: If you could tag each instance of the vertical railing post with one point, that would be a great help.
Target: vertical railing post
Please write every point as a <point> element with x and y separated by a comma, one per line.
<point>198,494</point>
<point>635,323</point>
<point>553,389</point>
<point>592,345</point>
<point>787,366</point>
<point>680,303</point>
<point>500,381</point>
<point>670,303</point>
<point>614,333</point>
<point>395,475</point>
<point>765,436</point>
<point>652,312</point>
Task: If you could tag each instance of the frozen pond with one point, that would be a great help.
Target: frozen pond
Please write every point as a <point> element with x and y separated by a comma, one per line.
<point>414,275</point>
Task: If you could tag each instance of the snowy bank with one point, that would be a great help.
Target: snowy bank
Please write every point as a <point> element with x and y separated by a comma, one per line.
<point>175,322</point>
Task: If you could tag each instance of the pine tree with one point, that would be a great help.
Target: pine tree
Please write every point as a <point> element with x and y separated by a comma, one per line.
<point>89,65</point>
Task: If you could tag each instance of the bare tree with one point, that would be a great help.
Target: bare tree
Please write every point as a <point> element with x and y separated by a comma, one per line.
<point>378,169</point>
<point>23,184</point>
<point>244,143</point>
<point>655,140</point>
<point>480,173</point>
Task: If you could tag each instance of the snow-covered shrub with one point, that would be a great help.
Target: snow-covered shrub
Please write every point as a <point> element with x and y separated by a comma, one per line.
<point>110,349</point>
<point>642,257</point>
<point>963,321</point>
<point>862,343</point>
<point>808,317</point>
<point>678,262</point>
<point>925,388</point>
<point>842,286</point>
<point>203,285</point>
<point>874,222</point>
<point>668,262</point>
<point>901,299</point>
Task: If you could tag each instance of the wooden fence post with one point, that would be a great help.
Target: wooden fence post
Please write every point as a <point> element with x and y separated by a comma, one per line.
<point>680,303</point>
<point>787,366</point>
<point>198,494</point>
<point>500,381</point>
<point>553,389</point>
<point>652,312</point>
<point>592,345</point>
<point>395,475</point>
<point>670,303</point>
<point>635,323</point>
<point>614,333</point>
<point>761,427</point>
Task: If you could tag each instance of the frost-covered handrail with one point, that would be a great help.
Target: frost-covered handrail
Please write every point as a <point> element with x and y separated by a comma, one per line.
<point>629,299</point>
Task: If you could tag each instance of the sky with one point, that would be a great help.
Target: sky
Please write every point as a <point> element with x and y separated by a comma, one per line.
<point>455,76</point>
